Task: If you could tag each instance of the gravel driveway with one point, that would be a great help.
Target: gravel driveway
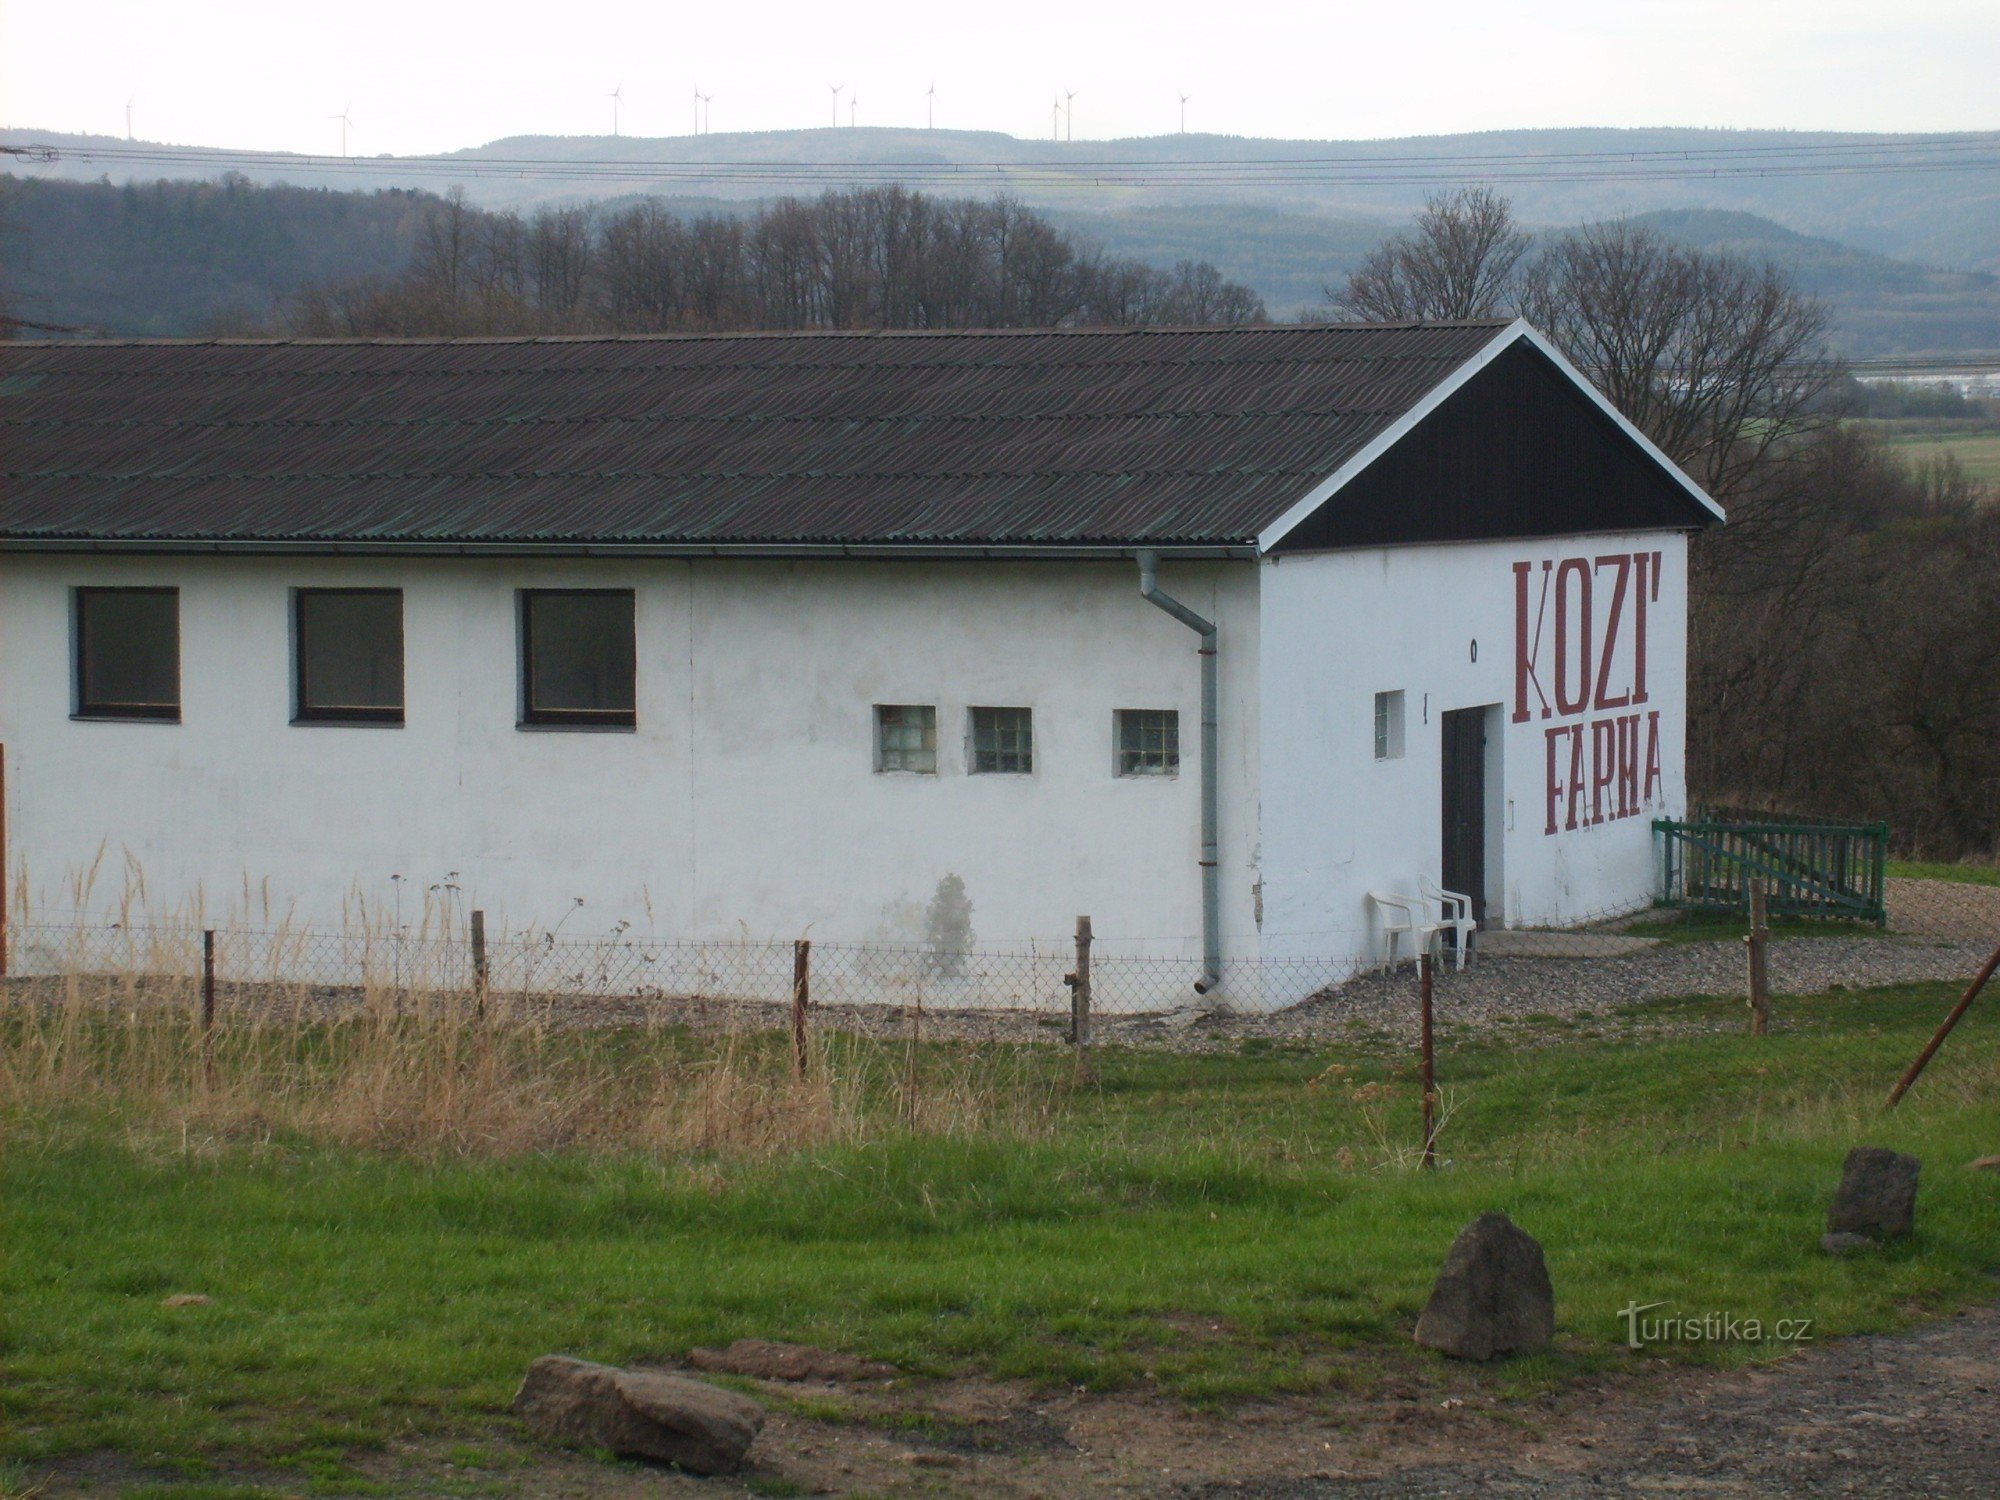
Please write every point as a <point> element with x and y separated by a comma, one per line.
<point>1494,988</point>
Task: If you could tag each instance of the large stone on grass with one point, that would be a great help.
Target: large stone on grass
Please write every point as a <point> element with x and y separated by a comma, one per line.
<point>1492,1295</point>
<point>637,1414</point>
<point>1877,1195</point>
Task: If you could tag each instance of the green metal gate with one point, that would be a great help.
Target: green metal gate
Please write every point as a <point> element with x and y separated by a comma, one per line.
<point>1809,868</point>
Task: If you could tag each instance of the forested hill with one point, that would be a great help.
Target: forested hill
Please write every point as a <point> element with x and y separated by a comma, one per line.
<point>1934,199</point>
<point>1881,305</point>
<point>170,258</point>
<point>192,257</point>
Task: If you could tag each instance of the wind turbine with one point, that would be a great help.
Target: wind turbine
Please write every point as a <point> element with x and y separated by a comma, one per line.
<point>1184,100</point>
<point>930,106</point>
<point>128,119</point>
<point>617,97</point>
<point>853,103</point>
<point>1069,114</point>
<point>1055,119</point>
<point>345,123</point>
<point>707,114</point>
<point>697,109</point>
<point>836,87</point>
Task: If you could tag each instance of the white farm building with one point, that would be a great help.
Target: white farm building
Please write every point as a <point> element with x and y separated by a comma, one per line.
<point>765,634</point>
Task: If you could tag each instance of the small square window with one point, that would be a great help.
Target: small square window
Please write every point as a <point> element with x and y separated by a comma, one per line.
<point>348,656</point>
<point>578,658</point>
<point>1149,742</point>
<point>906,737</point>
<point>128,653</point>
<point>1003,741</point>
<point>1389,726</point>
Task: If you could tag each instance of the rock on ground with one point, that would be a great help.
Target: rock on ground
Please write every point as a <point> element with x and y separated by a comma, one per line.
<point>1492,1295</point>
<point>637,1414</point>
<point>1877,1194</point>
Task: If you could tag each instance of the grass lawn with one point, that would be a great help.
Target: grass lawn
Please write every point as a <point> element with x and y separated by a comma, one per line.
<point>1904,869</point>
<point>1698,926</point>
<point>1218,1226</point>
<point>1978,451</point>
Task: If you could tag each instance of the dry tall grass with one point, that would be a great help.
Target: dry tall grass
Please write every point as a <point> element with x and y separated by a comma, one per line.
<point>427,1070</point>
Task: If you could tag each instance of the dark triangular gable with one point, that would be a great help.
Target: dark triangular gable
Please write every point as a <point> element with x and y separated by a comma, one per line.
<point>1518,450</point>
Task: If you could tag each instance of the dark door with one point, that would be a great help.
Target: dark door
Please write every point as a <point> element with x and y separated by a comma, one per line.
<point>1465,805</point>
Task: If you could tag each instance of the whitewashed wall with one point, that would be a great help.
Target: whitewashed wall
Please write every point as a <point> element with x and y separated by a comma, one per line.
<point>745,804</point>
<point>1340,627</point>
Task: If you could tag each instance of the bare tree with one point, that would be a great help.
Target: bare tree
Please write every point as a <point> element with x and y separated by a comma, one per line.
<point>1722,362</point>
<point>440,269</point>
<point>1460,261</point>
<point>1200,297</point>
<point>866,258</point>
<point>561,246</point>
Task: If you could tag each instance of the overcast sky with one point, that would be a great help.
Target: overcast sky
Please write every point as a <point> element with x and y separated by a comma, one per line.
<point>422,76</point>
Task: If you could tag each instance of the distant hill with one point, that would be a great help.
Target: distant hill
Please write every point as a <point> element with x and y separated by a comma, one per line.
<point>1945,211</point>
<point>205,256</point>
<point>1881,305</point>
<point>172,258</point>
<point>1289,257</point>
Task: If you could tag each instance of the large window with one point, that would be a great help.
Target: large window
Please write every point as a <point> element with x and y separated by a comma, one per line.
<point>349,656</point>
<point>906,737</point>
<point>128,654</point>
<point>1149,742</point>
<point>1003,740</point>
<point>577,658</point>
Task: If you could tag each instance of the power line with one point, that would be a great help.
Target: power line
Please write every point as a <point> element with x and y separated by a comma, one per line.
<point>1829,159</point>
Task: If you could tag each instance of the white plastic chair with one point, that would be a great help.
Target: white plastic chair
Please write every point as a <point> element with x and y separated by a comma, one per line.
<point>1401,914</point>
<point>1454,915</point>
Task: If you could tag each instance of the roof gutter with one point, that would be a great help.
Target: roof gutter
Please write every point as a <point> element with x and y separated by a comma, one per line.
<point>1211,891</point>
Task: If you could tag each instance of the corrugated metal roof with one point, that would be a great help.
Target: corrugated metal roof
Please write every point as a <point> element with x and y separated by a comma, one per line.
<point>1085,437</point>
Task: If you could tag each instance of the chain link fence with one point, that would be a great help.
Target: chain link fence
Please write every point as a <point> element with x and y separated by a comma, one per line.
<point>620,972</point>
<point>1941,923</point>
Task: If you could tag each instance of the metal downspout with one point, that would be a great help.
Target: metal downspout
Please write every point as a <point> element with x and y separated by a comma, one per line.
<point>1211,890</point>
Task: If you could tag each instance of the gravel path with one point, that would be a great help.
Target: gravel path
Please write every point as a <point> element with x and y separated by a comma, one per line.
<point>1909,1414</point>
<point>1951,909</point>
<point>1493,989</point>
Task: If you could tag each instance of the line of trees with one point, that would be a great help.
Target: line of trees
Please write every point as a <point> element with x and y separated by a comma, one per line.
<point>881,257</point>
<point>1845,634</point>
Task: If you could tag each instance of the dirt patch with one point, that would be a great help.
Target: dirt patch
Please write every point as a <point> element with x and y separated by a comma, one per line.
<point>1904,1414</point>
<point>763,1359</point>
<point>1892,1415</point>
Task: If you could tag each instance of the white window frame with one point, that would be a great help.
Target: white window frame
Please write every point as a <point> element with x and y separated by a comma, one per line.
<point>1169,753</point>
<point>927,728</point>
<point>1026,722</point>
<point>1390,708</point>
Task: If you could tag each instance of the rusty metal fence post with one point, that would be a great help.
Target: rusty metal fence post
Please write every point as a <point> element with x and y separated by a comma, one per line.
<point>208,1006</point>
<point>1758,942</point>
<point>801,1001</point>
<point>1957,1014</point>
<point>480,977</point>
<point>1426,1063</point>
